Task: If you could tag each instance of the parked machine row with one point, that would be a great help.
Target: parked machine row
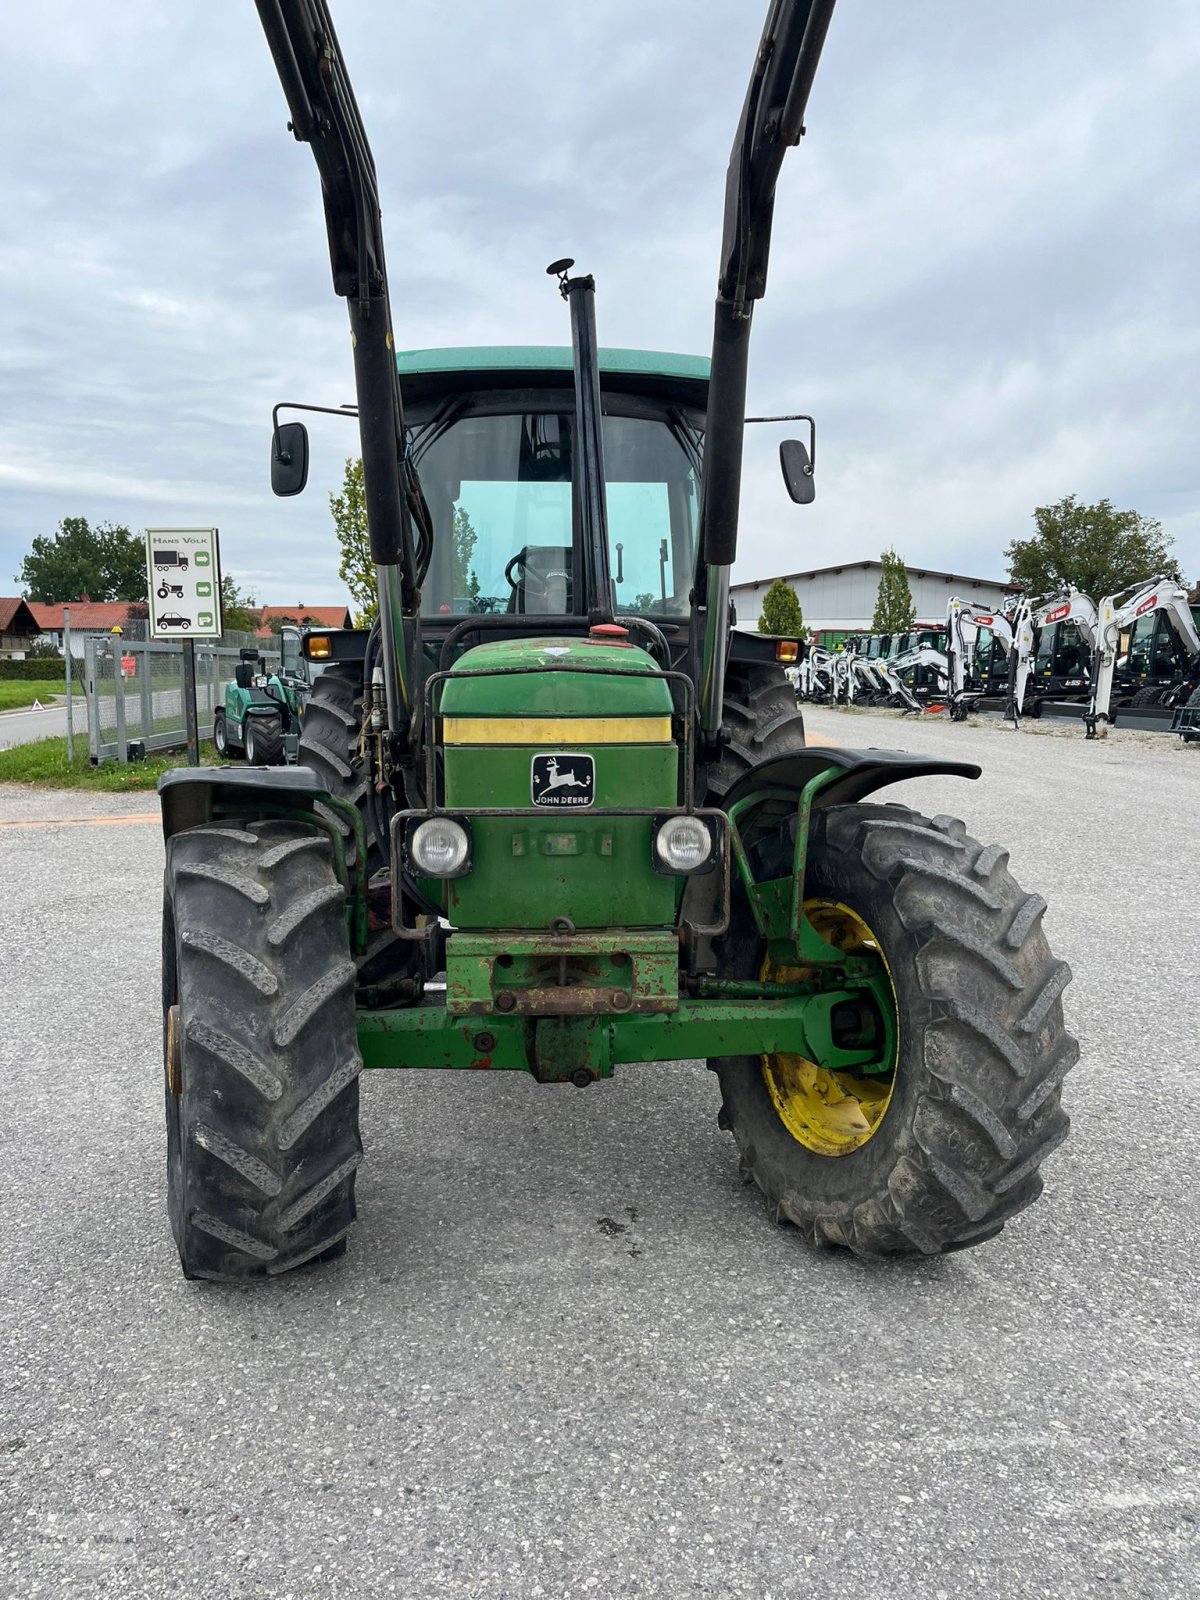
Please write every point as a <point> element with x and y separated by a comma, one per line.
<point>1138,649</point>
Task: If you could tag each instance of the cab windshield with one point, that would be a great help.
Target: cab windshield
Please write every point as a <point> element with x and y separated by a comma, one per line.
<point>1155,649</point>
<point>498,487</point>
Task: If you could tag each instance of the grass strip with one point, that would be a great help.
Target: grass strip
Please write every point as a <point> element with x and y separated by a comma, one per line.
<point>44,765</point>
<point>16,693</point>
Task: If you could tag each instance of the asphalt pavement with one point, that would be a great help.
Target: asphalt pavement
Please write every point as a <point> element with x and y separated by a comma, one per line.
<point>49,722</point>
<point>567,1353</point>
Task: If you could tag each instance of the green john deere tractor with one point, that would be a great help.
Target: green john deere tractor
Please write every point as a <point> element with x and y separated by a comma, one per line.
<point>260,715</point>
<point>552,815</point>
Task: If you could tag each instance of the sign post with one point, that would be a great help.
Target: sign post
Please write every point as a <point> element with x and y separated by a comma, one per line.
<point>70,708</point>
<point>191,720</point>
<point>183,570</point>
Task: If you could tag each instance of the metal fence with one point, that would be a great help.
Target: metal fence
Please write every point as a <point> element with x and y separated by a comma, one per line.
<point>134,690</point>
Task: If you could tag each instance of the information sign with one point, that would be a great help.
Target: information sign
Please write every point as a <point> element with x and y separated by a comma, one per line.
<point>183,566</point>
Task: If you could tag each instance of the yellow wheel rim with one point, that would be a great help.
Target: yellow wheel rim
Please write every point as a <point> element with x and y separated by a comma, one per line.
<point>829,1111</point>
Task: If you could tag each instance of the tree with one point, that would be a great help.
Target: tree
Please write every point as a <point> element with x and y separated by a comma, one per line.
<point>466,580</point>
<point>894,608</point>
<point>239,612</point>
<point>1093,548</point>
<point>106,562</point>
<point>781,613</point>
<point>356,570</point>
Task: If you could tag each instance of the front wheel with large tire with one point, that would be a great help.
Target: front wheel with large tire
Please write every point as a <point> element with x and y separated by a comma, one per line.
<point>260,1050</point>
<point>264,740</point>
<point>937,1146</point>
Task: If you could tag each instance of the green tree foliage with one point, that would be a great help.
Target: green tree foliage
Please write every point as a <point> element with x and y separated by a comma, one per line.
<point>781,613</point>
<point>894,608</point>
<point>466,580</point>
<point>356,569</point>
<point>106,562</point>
<point>1093,548</point>
<point>239,612</point>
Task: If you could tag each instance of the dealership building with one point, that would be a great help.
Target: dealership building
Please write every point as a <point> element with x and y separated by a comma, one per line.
<point>842,599</point>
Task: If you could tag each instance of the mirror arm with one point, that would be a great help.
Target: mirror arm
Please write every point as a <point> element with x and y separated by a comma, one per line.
<point>298,405</point>
<point>797,416</point>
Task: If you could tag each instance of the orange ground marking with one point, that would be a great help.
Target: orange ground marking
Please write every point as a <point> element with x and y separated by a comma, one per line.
<point>82,822</point>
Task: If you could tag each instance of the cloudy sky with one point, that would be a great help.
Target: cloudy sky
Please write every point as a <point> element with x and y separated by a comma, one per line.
<point>984,272</point>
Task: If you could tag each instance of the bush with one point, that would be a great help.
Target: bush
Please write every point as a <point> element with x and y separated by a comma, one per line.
<point>781,613</point>
<point>38,670</point>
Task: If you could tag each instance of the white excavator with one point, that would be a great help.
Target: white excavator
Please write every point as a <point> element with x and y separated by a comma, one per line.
<point>961,615</point>
<point>1126,609</point>
<point>812,679</point>
<point>1030,621</point>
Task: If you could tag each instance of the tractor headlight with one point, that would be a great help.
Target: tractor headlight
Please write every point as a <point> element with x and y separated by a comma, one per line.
<point>682,845</point>
<point>439,847</point>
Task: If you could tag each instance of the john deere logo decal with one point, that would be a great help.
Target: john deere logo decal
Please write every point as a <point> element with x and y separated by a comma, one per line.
<point>563,781</point>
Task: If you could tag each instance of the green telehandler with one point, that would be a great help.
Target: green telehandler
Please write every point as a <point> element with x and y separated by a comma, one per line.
<point>261,711</point>
<point>553,815</point>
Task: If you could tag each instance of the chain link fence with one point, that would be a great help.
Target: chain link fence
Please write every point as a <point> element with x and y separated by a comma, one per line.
<point>134,689</point>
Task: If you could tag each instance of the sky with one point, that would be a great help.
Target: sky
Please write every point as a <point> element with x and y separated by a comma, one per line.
<point>983,277</point>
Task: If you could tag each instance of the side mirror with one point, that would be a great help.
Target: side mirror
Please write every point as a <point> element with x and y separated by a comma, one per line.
<point>289,458</point>
<point>797,472</point>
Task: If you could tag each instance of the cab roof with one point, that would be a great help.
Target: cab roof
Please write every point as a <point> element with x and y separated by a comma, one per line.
<point>428,374</point>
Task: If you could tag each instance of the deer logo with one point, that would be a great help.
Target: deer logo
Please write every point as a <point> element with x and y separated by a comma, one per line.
<point>563,780</point>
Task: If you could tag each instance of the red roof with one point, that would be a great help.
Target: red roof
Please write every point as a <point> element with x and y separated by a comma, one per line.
<point>87,614</point>
<point>16,616</point>
<point>324,615</point>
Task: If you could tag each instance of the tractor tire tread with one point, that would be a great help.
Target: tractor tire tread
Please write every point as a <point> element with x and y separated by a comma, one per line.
<point>761,719</point>
<point>266,734</point>
<point>984,1051</point>
<point>329,745</point>
<point>263,1138</point>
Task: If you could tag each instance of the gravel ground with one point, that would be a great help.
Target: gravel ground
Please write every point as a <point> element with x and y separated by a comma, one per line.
<point>567,1353</point>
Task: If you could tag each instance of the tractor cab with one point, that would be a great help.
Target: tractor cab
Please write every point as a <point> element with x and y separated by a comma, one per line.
<point>494,442</point>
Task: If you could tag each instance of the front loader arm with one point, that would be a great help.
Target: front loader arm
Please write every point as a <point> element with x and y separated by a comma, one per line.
<point>772,120</point>
<point>324,115</point>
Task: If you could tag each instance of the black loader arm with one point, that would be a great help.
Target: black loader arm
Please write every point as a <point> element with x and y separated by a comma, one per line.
<point>325,115</point>
<point>772,120</point>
